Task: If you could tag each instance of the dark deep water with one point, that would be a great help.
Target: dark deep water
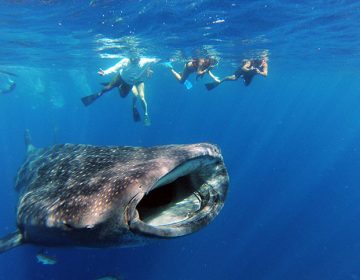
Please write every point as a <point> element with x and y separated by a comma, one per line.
<point>290,141</point>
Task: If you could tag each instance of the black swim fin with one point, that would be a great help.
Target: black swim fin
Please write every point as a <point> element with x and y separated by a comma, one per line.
<point>210,86</point>
<point>87,100</point>
<point>136,115</point>
<point>10,241</point>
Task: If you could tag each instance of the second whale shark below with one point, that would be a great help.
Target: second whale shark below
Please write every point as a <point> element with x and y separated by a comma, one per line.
<point>91,196</point>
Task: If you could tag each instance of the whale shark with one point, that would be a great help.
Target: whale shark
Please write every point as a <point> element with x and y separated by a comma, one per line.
<point>101,196</point>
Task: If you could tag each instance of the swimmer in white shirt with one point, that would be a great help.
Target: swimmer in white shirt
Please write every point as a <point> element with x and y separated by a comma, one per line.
<point>131,74</point>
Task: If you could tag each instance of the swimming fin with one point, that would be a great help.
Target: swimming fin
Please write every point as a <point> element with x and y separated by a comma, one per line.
<point>136,115</point>
<point>87,100</point>
<point>188,84</point>
<point>147,121</point>
<point>210,86</point>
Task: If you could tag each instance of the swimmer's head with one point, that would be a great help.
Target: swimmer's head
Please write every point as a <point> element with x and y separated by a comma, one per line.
<point>255,62</point>
<point>213,61</point>
<point>263,60</point>
<point>134,59</point>
<point>134,55</point>
<point>246,62</point>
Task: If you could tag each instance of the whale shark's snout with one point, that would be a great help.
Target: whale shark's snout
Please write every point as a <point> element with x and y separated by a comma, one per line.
<point>188,194</point>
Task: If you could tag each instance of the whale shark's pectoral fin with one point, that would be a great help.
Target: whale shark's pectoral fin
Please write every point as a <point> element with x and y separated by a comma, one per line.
<point>10,241</point>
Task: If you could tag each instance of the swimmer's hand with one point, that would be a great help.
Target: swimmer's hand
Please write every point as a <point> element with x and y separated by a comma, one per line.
<point>149,73</point>
<point>101,72</point>
<point>202,72</point>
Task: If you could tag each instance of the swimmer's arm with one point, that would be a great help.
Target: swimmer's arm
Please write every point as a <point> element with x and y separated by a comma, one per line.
<point>145,60</point>
<point>216,79</point>
<point>122,63</point>
<point>149,72</point>
<point>229,78</point>
<point>264,72</point>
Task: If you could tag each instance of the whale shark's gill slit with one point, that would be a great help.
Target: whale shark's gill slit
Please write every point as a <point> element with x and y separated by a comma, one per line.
<point>171,203</point>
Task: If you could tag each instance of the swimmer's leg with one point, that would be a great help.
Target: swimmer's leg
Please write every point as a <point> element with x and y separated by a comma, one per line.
<point>141,91</point>
<point>136,115</point>
<point>87,100</point>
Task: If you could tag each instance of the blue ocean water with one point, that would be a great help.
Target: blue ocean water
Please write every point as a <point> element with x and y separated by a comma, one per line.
<point>290,141</point>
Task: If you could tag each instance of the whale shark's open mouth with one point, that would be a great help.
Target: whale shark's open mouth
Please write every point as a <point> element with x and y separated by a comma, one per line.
<point>184,200</point>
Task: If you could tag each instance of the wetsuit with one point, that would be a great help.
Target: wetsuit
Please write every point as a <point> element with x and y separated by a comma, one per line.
<point>247,76</point>
<point>194,66</point>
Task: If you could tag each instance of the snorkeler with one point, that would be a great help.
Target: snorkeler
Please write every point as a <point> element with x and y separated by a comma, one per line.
<point>9,88</point>
<point>9,84</point>
<point>200,66</point>
<point>247,71</point>
<point>131,73</point>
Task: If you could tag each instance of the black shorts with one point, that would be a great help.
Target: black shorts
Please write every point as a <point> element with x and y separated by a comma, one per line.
<point>124,88</point>
<point>238,73</point>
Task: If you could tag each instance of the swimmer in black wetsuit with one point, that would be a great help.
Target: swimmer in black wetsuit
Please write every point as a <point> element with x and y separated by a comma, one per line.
<point>200,66</point>
<point>247,72</point>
